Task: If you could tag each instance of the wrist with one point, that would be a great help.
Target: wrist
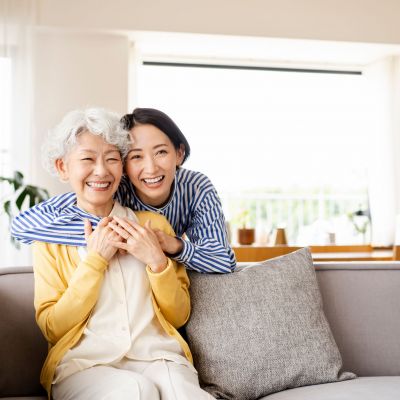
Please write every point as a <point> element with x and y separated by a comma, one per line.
<point>177,248</point>
<point>158,265</point>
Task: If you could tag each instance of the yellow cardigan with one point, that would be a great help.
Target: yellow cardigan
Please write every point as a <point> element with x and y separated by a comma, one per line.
<point>67,288</point>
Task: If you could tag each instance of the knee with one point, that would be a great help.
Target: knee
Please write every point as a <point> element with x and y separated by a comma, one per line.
<point>148,390</point>
<point>133,388</point>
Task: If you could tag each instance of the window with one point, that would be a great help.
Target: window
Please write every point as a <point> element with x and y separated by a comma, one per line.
<point>289,145</point>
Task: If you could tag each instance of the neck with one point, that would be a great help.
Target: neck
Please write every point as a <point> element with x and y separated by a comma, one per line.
<point>100,210</point>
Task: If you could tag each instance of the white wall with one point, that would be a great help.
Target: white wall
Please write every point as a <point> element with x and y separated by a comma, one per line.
<point>74,70</point>
<point>343,20</point>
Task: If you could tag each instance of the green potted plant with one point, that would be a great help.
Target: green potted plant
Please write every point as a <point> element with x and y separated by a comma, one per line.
<point>21,194</point>
<point>246,235</point>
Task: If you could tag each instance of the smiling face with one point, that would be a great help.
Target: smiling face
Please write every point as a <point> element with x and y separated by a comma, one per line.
<point>94,169</point>
<point>151,164</point>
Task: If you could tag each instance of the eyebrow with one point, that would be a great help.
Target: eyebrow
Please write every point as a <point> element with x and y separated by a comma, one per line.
<point>154,148</point>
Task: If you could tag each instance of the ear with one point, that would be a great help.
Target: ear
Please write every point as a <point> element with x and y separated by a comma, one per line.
<point>61,168</point>
<point>180,155</point>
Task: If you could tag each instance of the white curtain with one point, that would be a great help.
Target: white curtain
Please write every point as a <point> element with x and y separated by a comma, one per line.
<point>17,21</point>
<point>383,103</point>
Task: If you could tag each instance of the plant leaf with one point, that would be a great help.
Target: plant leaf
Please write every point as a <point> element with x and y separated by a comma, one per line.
<point>7,208</point>
<point>20,199</point>
<point>18,179</point>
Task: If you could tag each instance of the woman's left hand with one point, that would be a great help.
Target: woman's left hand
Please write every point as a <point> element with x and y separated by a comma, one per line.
<point>141,242</point>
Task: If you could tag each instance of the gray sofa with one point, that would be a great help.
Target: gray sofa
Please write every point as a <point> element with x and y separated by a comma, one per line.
<point>361,302</point>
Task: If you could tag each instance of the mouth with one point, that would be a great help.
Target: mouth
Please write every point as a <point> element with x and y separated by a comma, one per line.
<point>153,181</point>
<point>99,185</point>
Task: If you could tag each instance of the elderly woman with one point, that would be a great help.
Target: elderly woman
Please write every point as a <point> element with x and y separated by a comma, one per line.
<point>110,319</point>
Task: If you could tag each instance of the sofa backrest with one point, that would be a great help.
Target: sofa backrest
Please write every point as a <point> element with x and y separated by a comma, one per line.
<point>22,346</point>
<point>362,305</point>
<point>361,302</point>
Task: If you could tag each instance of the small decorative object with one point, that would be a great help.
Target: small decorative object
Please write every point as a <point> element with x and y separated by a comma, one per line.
<point>20,191</point>
<point>331,238</point>
<point>361,221</point>
<point>279,237</point>
<point>245,235</point>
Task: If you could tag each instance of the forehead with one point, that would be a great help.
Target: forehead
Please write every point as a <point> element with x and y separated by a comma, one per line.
<point>89,141</point>
<point>148,135</point>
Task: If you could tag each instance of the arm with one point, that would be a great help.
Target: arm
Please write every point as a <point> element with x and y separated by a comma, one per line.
<point>208,249</point>
<point>56,220</point>
<point>62,302</point>
<point>171,292</point>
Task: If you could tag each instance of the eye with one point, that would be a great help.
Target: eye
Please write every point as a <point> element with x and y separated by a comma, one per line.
<point>86,159</point>
<point>113,159</point>
<point>161,152</point>
<point>134,157</point>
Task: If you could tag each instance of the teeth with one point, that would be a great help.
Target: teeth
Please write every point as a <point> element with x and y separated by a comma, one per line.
<point>153,180</point>
<point>98,185</point>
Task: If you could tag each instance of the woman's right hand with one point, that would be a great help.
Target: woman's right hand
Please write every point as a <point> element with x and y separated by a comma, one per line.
<point>100,239</point>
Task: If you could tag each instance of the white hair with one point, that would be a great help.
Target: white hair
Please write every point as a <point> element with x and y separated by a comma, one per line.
<point>97,121</point>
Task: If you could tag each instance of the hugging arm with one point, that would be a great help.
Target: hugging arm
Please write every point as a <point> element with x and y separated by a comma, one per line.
<point>56,220</point>
<point>208,249</point>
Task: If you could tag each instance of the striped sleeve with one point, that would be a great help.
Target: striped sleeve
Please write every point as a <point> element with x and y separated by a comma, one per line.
<point>208,249</point>
<point>56,220</point>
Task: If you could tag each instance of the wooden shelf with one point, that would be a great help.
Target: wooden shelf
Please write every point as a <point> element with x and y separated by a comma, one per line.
<point>319,253</point>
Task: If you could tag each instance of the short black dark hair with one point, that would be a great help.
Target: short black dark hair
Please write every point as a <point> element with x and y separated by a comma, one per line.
<point>142,116</point>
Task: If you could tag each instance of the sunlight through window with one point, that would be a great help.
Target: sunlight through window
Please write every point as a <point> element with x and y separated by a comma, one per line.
<point>289,146</point>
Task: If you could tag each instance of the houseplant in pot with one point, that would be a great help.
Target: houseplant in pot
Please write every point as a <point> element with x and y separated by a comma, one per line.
<point>245,234</point>
<point>20,195</point>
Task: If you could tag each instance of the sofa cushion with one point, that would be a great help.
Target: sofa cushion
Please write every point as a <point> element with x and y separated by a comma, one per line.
<point>22,343</point>
<point>371,388</point>
<point>261,329</point>
<point>361,304</point>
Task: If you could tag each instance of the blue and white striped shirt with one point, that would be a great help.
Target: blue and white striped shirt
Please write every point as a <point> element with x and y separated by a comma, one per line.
<point>194,209</point>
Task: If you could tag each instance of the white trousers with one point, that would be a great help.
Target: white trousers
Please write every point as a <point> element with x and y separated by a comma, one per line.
<point>132,380</point>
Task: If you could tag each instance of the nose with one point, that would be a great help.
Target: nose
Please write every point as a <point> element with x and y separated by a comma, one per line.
<point>100,168</point>
<point>150,165</point>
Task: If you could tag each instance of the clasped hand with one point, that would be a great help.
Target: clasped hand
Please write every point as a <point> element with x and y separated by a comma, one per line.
<point>140,241</point>
<point>144,243</point>
<point>102,239</point>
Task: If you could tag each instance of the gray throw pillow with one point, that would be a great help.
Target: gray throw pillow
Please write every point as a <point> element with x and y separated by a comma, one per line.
<point>261,329</point>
